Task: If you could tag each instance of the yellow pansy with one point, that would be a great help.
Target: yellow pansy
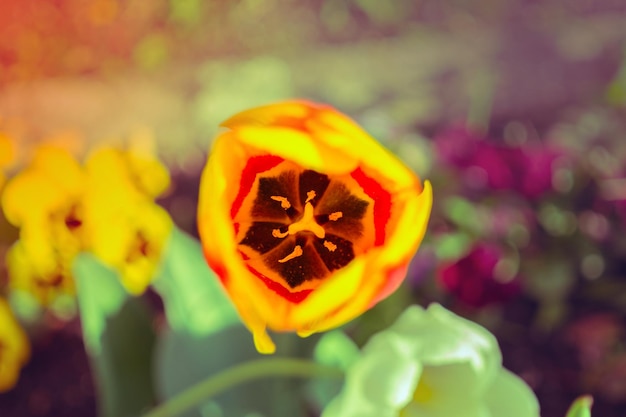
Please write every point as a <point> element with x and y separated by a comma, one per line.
<point>14,348</point>
<point>45,285</point>
<point>45,202</point>
<point>106,207</point>
<point>306,219</point>
<point>127,230</point>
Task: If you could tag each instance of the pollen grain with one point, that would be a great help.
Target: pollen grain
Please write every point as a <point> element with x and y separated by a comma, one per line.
<point>330,245</point>
<point>335,216</point>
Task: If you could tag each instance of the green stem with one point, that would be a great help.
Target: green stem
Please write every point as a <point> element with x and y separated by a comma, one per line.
<point>244,372</point>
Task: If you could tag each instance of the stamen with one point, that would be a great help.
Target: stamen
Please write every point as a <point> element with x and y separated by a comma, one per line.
<point>310,195</point>
<point>308,223</point>
<point>330,246</point>
<point>284,203</point>
<point>297,251</point>
<point>277,233</point>
<point>335,216</point>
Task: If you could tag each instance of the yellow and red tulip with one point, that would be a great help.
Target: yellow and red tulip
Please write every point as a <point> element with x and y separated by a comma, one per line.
<point>306,219</point>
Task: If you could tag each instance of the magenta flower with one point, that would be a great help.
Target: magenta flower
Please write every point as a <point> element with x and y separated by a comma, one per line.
<point>480,278</point>
<point>486,164</point>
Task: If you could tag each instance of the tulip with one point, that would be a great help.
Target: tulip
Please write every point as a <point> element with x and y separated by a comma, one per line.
<point>432,363</point>
<point>306,219</point>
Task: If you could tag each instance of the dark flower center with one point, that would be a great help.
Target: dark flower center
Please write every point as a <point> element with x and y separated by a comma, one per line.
<point>301,225</point>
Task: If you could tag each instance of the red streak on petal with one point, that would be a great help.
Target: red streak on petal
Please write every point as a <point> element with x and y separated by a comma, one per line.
<point>254,166</point>
<point>294,297</point>
<point>382,202</point>
<point>218,268</point>
<point>294,123</point>
<point>395,276</point>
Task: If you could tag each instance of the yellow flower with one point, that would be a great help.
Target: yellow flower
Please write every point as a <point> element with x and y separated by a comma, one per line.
<point>106,207</point>
<point>127,230</point>
<point>44,201</point>
<point>306,219</point>
<point>14,348</point>
<point>25,274</point>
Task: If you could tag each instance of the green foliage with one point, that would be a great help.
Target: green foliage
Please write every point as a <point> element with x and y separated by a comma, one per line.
<point>152,51</point>
<point>230,87</point>
<point>205,336</point>
<point>581,407</point>
<point>452,246</point>
<point>184,361</point>
<point>186,12</point>
<point>336,349</point>
<point>119,338</point>
<point>194,300</point>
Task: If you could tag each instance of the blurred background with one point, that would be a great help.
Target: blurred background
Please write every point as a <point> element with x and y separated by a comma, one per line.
<point>514,109</point>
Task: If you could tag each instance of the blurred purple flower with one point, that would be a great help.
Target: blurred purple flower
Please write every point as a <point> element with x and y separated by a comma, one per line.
<point>457,145</point>
<point>475,280</point>
<point>621,209</point>
<point>485,164</point>
<point>537,165</point>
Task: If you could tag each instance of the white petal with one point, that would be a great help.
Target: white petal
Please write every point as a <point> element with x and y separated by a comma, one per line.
<point>440,337</point>
<point>346,406</point>
<point>385,374</point>
<point>454,407</point>
<point>509,396</point>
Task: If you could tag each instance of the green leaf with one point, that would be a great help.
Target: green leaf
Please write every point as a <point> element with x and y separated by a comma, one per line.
<point>206,336</point>
<point>334,348</point>
<point>581,407</point>
<point>452,246</point>
<point>119,339</point>
<point>184,360</point>
<point>194,300</point>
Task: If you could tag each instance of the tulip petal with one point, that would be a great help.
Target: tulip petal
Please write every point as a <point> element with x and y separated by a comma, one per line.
<point>462,341</point>
<point>296,146</point>
<point>510,396</point>
<point>432,363</point>
<point>281,114</point>
<point>438,385</point>
<point>381,381</point>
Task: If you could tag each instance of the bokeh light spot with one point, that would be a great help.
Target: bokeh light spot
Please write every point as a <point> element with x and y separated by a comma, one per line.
<point>592,266</point>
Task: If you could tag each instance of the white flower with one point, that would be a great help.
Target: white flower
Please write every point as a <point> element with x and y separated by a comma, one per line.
<point>432,363</point>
